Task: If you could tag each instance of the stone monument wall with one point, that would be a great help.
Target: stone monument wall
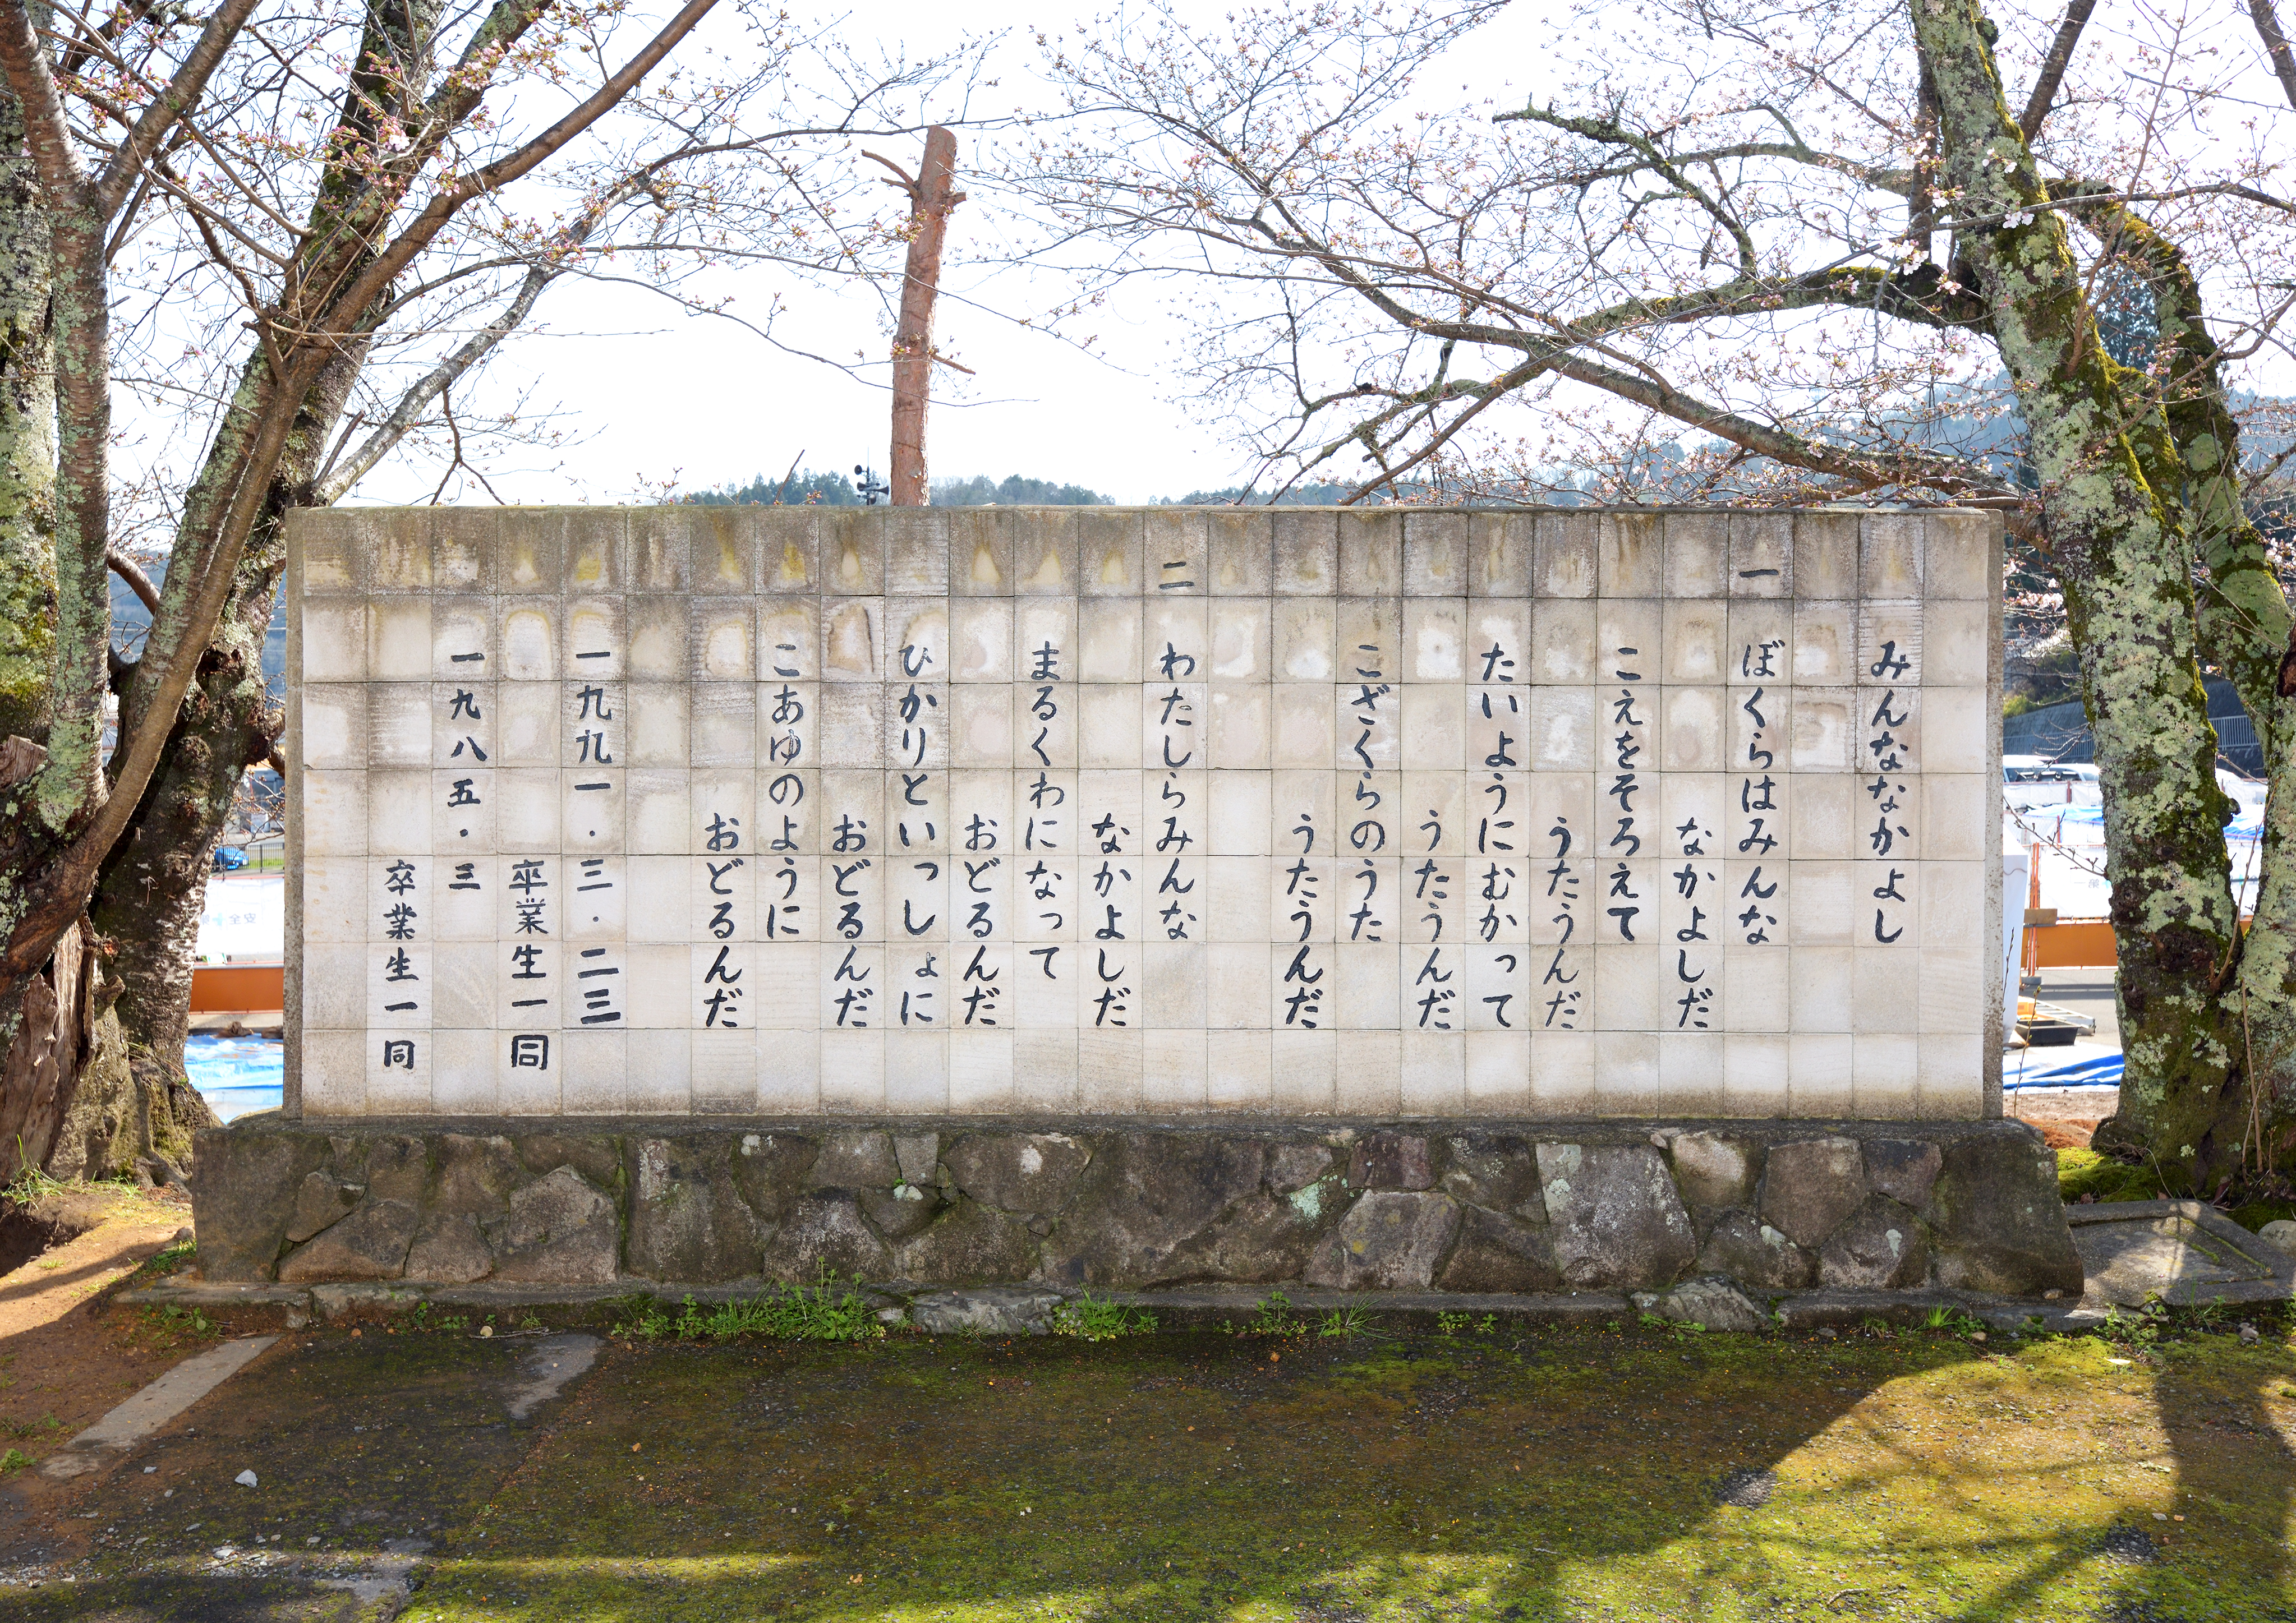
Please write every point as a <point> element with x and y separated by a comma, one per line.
<point>1102,813</point>
<point>1088,898</point>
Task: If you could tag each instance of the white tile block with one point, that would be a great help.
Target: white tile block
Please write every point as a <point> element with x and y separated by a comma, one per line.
<point>1306,1071</point>
<point>334,1073</point>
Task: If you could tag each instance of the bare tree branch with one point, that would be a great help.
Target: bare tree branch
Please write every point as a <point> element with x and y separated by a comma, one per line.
<point>2276,46</point>
<point>175,99</point>
<point>138,582</point>
<point>2054,65</point>
<point>442,209</point>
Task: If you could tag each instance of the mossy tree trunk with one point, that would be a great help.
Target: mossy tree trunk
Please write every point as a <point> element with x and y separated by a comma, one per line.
<point>2113,477</point>
<point>27,441</point>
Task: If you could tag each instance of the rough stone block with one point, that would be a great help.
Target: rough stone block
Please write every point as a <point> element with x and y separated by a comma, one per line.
<point>1495,1170</point>
<point>449,1250</point>
<point>1879,1247</point>
<point>1007,1312</point>
<point>597,1158</point>
<point>1709,1302</point>
<point>1142,1196</point>
<point>1499,1253</point>
<point>687,1219</point>
<point>1390,1160</point>
<point>1258,1241</point>
<point>1744,1248</point>
<point>1017,1172</point>
<point>1810,1185</point>
<point>1618,1219</point>
<point>968,1241</point>
<point>476,1174</point>
<point>370,1243</point>
<point>918,1156</point>
<point>772,1169</point>
<point>1906,1170</point>
<point>1715,1169</point>
<point>1998,1219</point>
<point>898,1213</point>
<point>1293,1167</point>
<point>1388,1241</point>
<point>321,1202</point>
<point>245,1191</point>
<point>825,1230</point>
<point>855,1160</point>
<point>561,1230</point>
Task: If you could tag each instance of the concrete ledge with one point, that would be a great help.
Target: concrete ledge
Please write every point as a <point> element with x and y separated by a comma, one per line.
<point>910,1304</point>
<point>2186,1252</point>
<point>1491,1210</point>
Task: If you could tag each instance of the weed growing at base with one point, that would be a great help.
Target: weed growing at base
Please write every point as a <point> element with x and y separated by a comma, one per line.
<point>1955,1321</point>
<point>1461,1323</point>
<point>1272,1318</point>
<point>828,1311</point>
<point>176,1322</point>
<point>1093,1318</point>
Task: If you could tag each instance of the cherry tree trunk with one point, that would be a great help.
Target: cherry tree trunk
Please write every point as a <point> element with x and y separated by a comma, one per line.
<point>932,196</point>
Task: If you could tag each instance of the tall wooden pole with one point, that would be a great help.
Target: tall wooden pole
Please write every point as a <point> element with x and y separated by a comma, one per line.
<point>931,197</point>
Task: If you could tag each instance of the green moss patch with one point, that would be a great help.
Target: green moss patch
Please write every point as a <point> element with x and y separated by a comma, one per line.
<point>1294,1478</point>
<point>1564,1476</point>
<point>2086,1175</point>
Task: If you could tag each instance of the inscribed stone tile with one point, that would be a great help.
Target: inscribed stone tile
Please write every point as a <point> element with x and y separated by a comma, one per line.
<point>1886,1069</point>
<point>333,1072</point>
<point>1373,812</point>
<point>463,1073</point>
<point>1305,553</point>
<point>1953,1076</point>
<point>1110,561</point>
<point>1755,1075</point>
<point>1306,1071</point>
<point>1435,554</point>
<point>1371,553</point>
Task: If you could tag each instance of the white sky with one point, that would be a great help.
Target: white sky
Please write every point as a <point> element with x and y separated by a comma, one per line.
<point>657,394</point>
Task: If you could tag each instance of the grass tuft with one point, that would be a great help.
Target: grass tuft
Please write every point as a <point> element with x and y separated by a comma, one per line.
<point>826,1312</point>
<point>1095,1318</point>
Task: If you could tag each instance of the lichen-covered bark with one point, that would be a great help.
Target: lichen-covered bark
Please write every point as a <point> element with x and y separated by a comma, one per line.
<point>2245,626</point>
<point>149,897</point>
<point>28,442</point>
<point>2124,560</point>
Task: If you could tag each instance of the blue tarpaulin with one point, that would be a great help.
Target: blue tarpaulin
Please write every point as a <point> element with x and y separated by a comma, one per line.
<point>237,1075</point>
<point>2074,1066</point>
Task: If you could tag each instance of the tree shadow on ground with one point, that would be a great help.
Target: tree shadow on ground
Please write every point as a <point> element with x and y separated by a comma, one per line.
<point>1568,1475</point>
<point>1578,1474</point>
<point>2227,1417</point>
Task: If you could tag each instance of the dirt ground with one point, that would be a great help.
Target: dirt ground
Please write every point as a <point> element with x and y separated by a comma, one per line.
<point>61,1368</point>
<point>1625,1472</point>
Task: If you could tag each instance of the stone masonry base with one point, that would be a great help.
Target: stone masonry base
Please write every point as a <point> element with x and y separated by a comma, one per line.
<point>1499,1208</point>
